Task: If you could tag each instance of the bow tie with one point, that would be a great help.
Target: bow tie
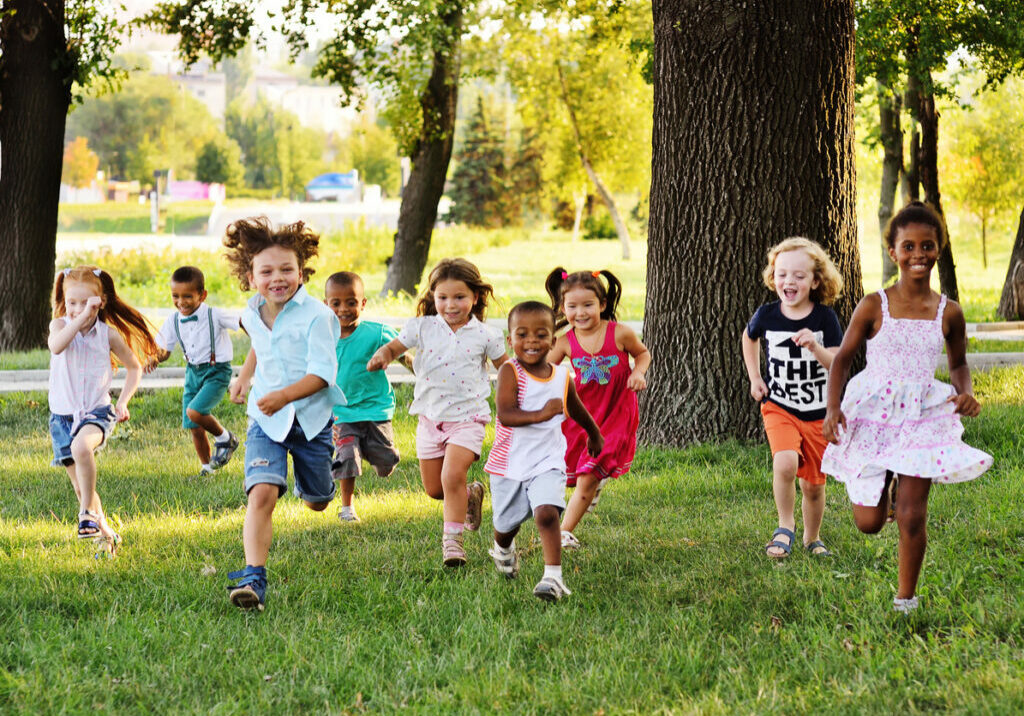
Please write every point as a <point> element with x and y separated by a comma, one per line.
<point>186,319</point>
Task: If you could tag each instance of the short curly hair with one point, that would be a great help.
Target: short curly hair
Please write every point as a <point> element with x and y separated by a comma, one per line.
<point>247,237</point>
<point>916,212</point>
<point>830,282</point>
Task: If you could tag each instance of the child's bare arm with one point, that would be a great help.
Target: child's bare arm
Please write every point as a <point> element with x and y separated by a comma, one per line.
<point>133,374</point>
<point>509,412</point>
<point>752,360</point>
<point>805,339</point>
<point>63,330</point>
<point>385,354</point>
<point>956,354</point>
<point>867,313</point>
<point>302,388</point>
<point>579,413</point>
<point>561,349</point>
<point>240,385</point>
<point>630,342</point>
<point>499,361</point>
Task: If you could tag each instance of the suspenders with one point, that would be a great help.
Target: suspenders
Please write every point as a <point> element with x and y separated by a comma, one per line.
<point>209,320</point>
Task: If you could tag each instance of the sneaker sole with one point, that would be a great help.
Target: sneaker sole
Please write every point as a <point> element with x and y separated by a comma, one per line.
<point>455,562</point>
<point>246,599</point>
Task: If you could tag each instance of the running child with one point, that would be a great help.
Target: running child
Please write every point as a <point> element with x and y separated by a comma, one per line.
<point>453,345</point>
<point>527,461</point>
<point>599,349</point>
<point>801,335</point>
<point>85,308</point>
<point>202,332</point>
<point>291,368</point>
<point>897,426</point>
<point>362,427</point>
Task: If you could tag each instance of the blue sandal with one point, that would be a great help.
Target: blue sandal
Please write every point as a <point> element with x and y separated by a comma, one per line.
<point>815,545</point>
<point>786,548</point>
<point>249,592</point>
<point>88,525</point>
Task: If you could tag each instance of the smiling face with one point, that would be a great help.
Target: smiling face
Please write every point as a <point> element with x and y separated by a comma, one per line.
<point>275,274</point>
<point>347,302</point>
<point>454,301</point>
<point>531,335</point>
<point>186,297</point>
<point>794,279</point>
<point>915,250</point>
<point>582,308</point>
<point>76,299</point>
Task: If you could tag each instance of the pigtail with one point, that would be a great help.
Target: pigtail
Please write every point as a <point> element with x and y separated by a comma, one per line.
<point>57,301</point>
<point>613,295</point>
<point>132,325</point>
<point>553,285</point>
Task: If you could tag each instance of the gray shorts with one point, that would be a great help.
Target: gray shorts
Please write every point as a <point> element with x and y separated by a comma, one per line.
<point>513,501</point>
<point>364,440</point>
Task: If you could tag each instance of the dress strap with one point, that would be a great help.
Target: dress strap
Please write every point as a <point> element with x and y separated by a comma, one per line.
<point>885,305</point>
<point>942,309</point>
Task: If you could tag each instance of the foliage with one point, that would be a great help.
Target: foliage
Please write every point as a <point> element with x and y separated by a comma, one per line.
<point>80,163</point>
<point>599,226</point>
<point>183,217</point>
<point>93,33</point>
<point>219,162</point>
<point>374,152</point>
<point>479,184</point>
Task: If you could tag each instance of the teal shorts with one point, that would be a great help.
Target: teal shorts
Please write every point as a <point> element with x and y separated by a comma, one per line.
<point>205,385</point>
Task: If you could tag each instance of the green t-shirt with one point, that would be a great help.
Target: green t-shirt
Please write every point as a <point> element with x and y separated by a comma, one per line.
<point>369,395</point>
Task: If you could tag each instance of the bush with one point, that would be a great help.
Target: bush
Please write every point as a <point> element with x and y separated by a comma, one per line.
<point>599,226</point>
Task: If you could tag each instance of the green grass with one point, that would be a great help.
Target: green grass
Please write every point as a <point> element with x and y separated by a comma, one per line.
<point>675,609</point>
<point>182,217</point>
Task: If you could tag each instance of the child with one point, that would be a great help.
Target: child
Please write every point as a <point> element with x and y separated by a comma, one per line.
<point>900,425</point>
<point>600,350</point>
<point>201,331</point>
<point>293,392</point>
<point>85,307</point>
<point>452,346</point>
<point>362,428</point>
<point>527,461</point>
<point>801,335</point>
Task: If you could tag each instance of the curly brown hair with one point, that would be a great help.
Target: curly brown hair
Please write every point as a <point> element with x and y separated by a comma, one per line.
<point>456,270</point>
<point>247,237</point>
<point>830,282</point>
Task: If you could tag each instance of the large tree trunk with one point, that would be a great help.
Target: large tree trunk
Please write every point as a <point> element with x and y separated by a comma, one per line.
<point>1011,303</point>
<point>34,99</point>
<point>891,133</point>
<point>430,158</point>
<point>928,117</point>
<point>912,174</point>
<point>752,142</point>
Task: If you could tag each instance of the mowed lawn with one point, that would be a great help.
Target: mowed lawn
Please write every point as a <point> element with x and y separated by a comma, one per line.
<point>675,608</point>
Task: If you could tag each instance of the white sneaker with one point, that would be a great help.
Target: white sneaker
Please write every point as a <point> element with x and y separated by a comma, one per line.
<point>348,514</point>
<point>507,564</point>
<point>904,606</point>
<point>597,495</point>
<point>551,589</point>
<point>569,540</point>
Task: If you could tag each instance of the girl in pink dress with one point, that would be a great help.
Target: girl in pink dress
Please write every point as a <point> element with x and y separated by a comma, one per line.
<point>897,425</point>
<point>599,349</point>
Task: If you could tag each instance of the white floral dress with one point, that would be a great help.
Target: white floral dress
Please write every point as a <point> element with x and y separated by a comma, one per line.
<point>898,416</point>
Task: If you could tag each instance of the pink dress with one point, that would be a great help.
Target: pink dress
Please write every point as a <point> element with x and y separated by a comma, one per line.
<point>897,414</point>
<point>600,380</point>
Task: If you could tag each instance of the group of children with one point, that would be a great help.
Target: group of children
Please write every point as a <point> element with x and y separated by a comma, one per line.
<point>315,388</point>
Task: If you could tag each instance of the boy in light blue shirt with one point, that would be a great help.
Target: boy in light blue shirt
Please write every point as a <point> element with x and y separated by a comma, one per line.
<point>362,428</point>
<point>292,368</point>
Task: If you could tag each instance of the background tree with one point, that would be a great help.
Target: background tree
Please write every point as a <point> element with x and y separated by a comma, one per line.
<point>219,161</point>
<point>1011,302</point>
<point>479,184</point>
<point>80,163</point>
<point>374,152</point>
<point>753,142</point>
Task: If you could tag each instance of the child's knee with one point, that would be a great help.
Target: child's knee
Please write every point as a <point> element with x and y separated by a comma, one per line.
<point>869,524</point>
<point>263,496</point>
<point>317,506</point>
<point>384,470</point>
<point>812,491</point>
<point>911,517</point>
<point>546,517</point>
<point>194,415</point>
<point>785,463</point>
<point>81,450</point>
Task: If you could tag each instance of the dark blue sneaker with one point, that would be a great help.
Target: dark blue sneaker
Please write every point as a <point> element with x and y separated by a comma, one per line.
<point>222,452</point>
<point>250,591</point>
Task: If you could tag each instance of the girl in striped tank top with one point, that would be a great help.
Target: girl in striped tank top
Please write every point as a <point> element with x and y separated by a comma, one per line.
<point>527,461</point>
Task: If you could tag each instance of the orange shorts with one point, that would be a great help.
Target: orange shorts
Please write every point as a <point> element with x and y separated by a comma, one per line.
<point>788,432</point>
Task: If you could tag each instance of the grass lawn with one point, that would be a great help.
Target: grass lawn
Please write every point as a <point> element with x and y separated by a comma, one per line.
<point>675,608</point>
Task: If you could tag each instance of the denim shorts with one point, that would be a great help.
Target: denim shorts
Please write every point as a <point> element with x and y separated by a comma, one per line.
<point>61,435</point>
<point>266,462</point>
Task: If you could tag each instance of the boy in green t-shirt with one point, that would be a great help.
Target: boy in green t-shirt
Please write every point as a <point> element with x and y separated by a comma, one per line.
<point>362,428</point>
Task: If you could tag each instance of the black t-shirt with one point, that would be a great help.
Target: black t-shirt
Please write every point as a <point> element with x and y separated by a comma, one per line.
<point>795,378</point>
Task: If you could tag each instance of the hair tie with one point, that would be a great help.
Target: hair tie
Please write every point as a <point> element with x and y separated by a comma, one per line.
<point>595,274</point>
<point>565,275</point>
<point>66,272</point>
<point>97,272</point>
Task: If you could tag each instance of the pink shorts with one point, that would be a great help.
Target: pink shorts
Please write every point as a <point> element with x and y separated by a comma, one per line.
<point>432,438</point>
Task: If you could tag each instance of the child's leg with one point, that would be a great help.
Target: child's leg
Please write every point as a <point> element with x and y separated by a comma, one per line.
<point>784,466</point>
<point>912,518</point>
<point>83,447</point>
<point>454,469</point>
<point>871,520</point>
<point>582,496</point>
<point>201,444</point>
<point>546,518</point>
<point>347,487</point>
<point>505,539</point>
<point>258,529</point>
<point>813,510</point>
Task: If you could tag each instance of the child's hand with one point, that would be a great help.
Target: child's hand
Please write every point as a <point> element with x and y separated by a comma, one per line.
<point>637,381</point>
<point>965,404</point>
<point>805,339</point>
<point>595,445</point>
<point>552,408</point>
<point>121,413</point>
<point>758,389</point>
<point>379,360</point>
<point>150,365</point>
<point>92,309</point>
<point>272,402</point>
<point>238,391</point>
<point>830,427</point>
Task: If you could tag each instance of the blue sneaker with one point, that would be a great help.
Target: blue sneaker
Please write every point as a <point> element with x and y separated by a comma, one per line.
<point>222,451</point>
<point>250,591</point>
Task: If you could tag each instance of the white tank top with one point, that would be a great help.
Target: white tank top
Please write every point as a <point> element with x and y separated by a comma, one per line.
<point>524,452</point>
<point>80,375</point>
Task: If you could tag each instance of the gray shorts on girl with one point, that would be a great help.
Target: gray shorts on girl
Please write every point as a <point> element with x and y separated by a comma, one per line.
<point>513,501</point>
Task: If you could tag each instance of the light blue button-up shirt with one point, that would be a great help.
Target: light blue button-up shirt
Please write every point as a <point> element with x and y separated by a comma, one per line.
<point>302,342</point>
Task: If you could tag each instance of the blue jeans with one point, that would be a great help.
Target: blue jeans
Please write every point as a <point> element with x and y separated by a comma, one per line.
<point>61,435</point>
<point>266,462</point>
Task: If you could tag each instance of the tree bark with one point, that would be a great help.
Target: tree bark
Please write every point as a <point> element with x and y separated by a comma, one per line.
<point>1011,303</point>
<point>430,159</point>
<point>891,133</point>
<point>752,142</point>
<point>34,99</point>
<point>620,226</point>
<point>928,118</point>
<point>912,175</point>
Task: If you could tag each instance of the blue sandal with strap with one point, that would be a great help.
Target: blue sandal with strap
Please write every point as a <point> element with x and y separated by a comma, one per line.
<point>815,545</point>
<point>250,591</point>
<point>88,525</point>
<point>786,548</point>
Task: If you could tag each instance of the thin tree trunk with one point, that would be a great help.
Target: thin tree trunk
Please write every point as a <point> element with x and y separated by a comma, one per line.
<point>606,197</point>
<point>1011,303</point>
<point>984,247</point>
<point>929,167</point>
<point>581,200</point>
<point>752,142</point>
<point>34,99</point>
<point>430,159</point>
<point>889,106</point>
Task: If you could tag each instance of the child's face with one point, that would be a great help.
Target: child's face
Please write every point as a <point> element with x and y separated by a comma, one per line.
<point>186,297</point>
<point>531,335</point>
<point>915,250</point>
<point>275,274</point>
<point>454,301</point>
<point>80,296</point>
<point>582,308</point>
<point>794,278</point>
<point>347,302</point>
